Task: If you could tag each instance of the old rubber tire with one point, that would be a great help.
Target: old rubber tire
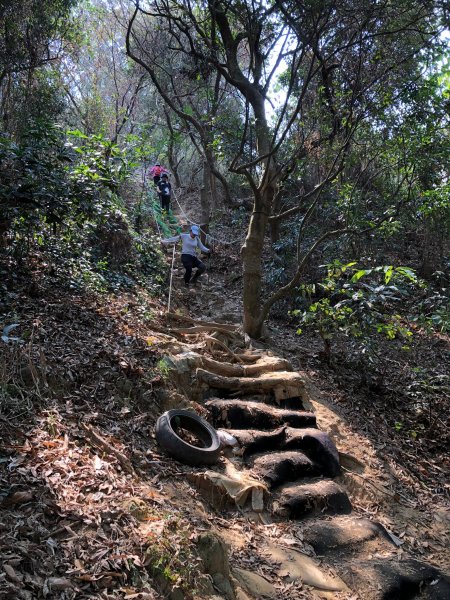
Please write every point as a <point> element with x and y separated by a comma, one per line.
<point>167,437</point>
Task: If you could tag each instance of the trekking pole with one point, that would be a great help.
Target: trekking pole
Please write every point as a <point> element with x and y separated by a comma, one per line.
<point>171,276</point>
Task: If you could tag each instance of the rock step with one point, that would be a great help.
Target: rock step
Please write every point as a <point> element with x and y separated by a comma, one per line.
<point>317,445</point>
<point>281,467</point>
<point>240,414</point>
<point>314,443</point>
<point>397,580</point>
<point>296,501</point>
<point>346,534</point>
<point>292,403</point>
<point>253,441</point>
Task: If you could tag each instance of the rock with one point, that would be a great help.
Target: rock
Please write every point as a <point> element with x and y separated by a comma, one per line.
<point>136,507</point>
<point>239,414</point>
<point>398,580</point>
<point>317,446</point>
<point>213,552</point>
<point>176,594</point>
<point>280,467</point>
<point>241,595</point>
<point>59,583</point>
<point>223,585</point>
<point>323,496</point>
<point>205,588</point>
<point>329,536</point>
<point>11,574</point>
<point>254,584</point>
<point>179,369</point>
<point>301,566</point>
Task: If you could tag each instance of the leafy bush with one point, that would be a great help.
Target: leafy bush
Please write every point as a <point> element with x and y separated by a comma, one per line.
<point>60,200</point>
<point>357,307</point>
<point>433,312</point>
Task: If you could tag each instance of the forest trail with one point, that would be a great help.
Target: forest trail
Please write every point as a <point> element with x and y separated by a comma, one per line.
<point>93,508</point>
<point>326,548</point>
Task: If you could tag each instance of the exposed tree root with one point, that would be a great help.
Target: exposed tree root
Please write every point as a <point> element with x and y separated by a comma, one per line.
<point>265,365</point>
<point>283,384</point>
<point>218,326</point>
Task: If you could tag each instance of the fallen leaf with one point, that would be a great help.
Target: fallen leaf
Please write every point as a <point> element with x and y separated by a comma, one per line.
<point>11,574</point>
<point>59,583</point>
<point>17,498</point>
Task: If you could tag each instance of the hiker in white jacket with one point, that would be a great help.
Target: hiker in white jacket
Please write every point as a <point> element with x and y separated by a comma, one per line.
<point>190,243</point>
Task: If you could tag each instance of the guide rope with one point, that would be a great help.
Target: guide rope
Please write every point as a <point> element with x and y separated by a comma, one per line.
<point>171,278</point>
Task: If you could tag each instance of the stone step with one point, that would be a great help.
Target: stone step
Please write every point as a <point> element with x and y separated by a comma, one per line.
<point>294,403</point>
<point>346,535</point>
<point>240,414</point>
<point>314,443</point>
<point>253,441</point>
<point>397,580</point>
<point>277,468</point>
<point>317,445</point>
<point>296,501</point>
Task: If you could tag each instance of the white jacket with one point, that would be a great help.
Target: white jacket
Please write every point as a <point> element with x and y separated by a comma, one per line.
<point>189,244</point>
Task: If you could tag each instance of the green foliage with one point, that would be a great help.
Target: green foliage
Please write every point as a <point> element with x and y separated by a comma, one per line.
<point>166,223</point>
<point>33,175</point>
<point>46,179</point>
<point>105,255</point>
<point>359,303</point>
<point>433,312</point>
<point>62,199</point>
<point>163,366</point>
<point>34,34</point>
<point>100,161</point>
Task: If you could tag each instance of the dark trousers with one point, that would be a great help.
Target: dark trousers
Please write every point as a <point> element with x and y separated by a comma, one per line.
<point>156,179</point>
<point>189,262</point>
<point>165,202</point>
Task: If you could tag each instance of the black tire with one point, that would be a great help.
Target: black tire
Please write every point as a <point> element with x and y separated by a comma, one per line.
<point>167,437</point>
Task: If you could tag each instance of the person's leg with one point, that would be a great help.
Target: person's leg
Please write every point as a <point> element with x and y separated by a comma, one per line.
<point>156,179</point>
<point>165,203</point>
<point>187,261</point>
<point>201,268</point>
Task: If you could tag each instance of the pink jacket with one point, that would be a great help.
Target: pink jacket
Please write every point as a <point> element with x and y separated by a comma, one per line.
<point>158,170</point>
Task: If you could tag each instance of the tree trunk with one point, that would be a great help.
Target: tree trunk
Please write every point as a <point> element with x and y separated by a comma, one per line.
<point>205,201</point>
<point>252,272</point>
<point>170,150</point>
<point>254,242</point>
<point>216,174</point>
<point>432,248</point>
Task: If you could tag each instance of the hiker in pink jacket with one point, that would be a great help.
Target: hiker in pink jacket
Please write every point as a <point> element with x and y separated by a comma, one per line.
<point>156,171</point>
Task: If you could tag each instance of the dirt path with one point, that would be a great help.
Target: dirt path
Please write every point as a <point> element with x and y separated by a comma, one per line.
<point>329,523</point>
<point>93,508</point>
